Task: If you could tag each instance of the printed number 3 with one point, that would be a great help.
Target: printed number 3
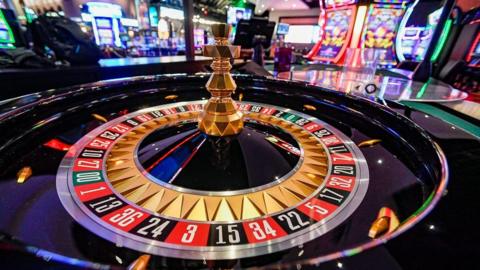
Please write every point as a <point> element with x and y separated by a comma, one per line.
<point>190,234</point>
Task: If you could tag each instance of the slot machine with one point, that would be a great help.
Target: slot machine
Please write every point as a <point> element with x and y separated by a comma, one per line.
<point>7,37</point>
<point>338,27</point>
<point>381,27</point>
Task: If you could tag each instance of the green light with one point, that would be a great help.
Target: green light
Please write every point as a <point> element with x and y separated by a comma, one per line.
<point>239,3</point>
<point>442,40</point>
<point>424,88</point>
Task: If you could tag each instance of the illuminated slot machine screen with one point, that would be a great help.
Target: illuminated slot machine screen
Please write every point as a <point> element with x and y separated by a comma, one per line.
<point>106,36</point>
<point>425,38</point>
<point>410,41</point>
<point>282,28</point>
<point>236,14</point>
<point>104,23</point>
<point>105,30</point>
<point>198,35</point>
<point>336,33</point>
<point>6,35</point>
<point>427,33</point>
<point>303,34</point>
<point>380,31</point>
<point>434,17</point>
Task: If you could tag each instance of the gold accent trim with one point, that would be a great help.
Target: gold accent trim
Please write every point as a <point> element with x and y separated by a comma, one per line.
<point>369,143</point>
<point>141,263</point>
<point>99,117</point>
<point>129,181</point>
<point>23,174</point>
<point>170,97</point>
<point>386,222</point>
<point>309,107</point>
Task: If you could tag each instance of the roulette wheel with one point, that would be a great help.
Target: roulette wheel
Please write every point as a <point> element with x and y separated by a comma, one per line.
<point>156,173</point>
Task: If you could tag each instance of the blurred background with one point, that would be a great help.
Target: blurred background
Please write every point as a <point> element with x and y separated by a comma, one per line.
<point>78,41</point>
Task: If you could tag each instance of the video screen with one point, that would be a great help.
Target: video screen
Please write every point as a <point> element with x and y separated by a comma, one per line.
<point>411,32</point>
<point>105,33</point>
<point>4,35</point>
<point>153,15</point>
<point>434,17</point>
<point>426,34</point>
<point>106,40</point>
<point>336,32</point>
<point>235,14</point>
<point>282,29</point>
<point>103,23</point>
<point>381,27</point>
<point>198,36</point>
<point>302,34</point>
